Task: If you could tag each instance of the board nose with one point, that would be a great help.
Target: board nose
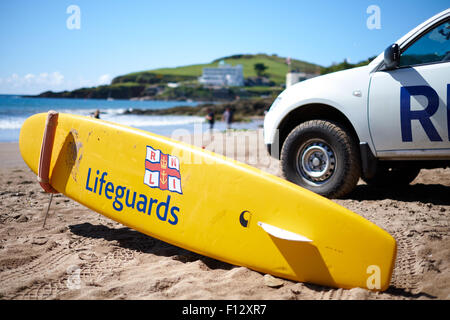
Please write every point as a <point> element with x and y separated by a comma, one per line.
<point>30,139</point>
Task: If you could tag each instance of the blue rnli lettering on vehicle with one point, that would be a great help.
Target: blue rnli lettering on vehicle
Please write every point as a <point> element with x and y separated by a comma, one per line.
<point>407,115</point>
<point>125,197</point>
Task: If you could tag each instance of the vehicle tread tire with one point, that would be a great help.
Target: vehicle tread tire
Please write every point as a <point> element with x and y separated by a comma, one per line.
<point>349,170</point>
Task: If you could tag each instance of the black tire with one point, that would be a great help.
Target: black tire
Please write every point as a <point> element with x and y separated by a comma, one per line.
<point>397,176</point>
<point>321,156</point>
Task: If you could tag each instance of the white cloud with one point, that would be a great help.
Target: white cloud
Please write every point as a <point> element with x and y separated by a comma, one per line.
<point>35,83</point>
<point>104,79</point>
<point>52,79</point>
<point>13,79</point>
<point>29,77</point>
<point>32,83</point>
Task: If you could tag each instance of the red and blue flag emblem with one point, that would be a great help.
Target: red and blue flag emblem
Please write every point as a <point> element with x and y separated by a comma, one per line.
<point>162,171</point>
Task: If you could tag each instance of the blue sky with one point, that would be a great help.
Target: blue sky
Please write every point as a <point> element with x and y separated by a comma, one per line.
<point>39,52</point>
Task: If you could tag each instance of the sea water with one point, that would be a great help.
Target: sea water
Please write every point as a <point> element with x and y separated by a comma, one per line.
<point>15,109</point>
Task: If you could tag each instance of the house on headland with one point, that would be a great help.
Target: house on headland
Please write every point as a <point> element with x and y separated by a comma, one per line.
<point>223,75</point>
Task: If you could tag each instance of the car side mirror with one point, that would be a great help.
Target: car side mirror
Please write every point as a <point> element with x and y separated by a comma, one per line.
<point>391,57</point>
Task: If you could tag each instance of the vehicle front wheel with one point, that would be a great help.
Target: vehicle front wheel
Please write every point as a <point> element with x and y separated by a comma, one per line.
<point>321,156</point>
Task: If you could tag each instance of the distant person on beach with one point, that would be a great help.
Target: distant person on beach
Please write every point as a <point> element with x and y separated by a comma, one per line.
<point>97,114</point>
<point>228,117</point>
<point>210,119</point>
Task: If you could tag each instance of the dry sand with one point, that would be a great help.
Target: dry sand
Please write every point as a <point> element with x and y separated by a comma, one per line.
<point>83,255</point>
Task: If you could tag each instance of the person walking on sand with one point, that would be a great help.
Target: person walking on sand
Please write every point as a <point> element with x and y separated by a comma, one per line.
<point>228,117</point>
<point>210,119</point>
<point>97,114</point>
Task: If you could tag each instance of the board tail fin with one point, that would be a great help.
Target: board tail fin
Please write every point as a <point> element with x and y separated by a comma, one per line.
<point>282,234</point>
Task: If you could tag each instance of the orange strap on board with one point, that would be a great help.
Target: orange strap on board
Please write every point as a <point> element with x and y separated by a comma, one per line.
<point>46,152</point>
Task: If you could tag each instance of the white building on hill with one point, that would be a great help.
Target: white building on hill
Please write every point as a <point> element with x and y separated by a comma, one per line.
<point>223,75</point>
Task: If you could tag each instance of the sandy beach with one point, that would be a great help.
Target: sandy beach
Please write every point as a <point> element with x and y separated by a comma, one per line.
<point>82,255</point>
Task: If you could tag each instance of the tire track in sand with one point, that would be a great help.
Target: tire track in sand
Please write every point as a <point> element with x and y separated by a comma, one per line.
<point>405,276</point>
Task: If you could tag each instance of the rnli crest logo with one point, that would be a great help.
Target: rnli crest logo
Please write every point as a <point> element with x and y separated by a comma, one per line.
<point>162,171</point>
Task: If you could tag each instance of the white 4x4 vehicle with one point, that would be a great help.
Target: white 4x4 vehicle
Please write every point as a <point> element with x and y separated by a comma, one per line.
<point>382,122</point>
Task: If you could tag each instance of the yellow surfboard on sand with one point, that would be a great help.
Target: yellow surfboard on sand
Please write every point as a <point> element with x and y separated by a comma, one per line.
<point>206,203</point>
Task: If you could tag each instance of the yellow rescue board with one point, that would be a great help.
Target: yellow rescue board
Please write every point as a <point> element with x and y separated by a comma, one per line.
<point>209,204</point>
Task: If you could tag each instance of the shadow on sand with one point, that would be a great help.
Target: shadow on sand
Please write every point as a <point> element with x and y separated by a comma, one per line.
<point>425,193</point>
<point>400,292</point>
<point>134,240</point>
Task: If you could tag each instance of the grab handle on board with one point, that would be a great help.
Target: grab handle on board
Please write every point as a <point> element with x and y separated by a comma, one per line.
<point>46,152</point>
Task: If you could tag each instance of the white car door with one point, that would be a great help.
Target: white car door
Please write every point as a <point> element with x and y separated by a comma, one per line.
<point>408,107</point>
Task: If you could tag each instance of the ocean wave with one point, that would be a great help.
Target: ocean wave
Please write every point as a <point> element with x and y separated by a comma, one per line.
<point>128,120</point>
<point>88,112</point>
<point>149,121</point>
<point>10,124</point>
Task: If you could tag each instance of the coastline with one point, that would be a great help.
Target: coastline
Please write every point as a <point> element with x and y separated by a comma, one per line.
<point>243,110</point>
<point>160,117</point>
<point>83,255</point>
